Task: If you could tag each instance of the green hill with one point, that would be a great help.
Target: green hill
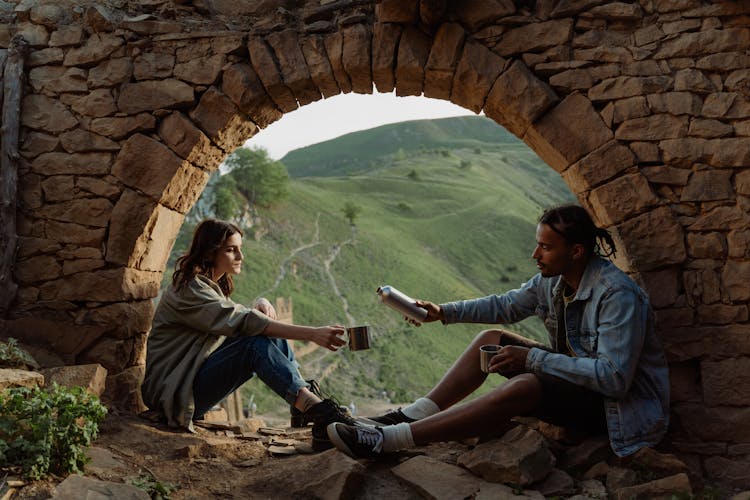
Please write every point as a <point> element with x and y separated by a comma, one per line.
<point>355,152</point>
<point>441,223</point>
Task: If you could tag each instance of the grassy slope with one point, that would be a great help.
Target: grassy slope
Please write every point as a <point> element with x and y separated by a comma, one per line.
<point>445,232</point>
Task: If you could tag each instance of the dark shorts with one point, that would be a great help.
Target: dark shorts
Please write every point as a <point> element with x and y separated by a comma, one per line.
<point>570,405</point>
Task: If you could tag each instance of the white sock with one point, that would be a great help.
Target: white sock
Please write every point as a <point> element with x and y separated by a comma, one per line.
<point>397,437</point>
<point>421,408</point>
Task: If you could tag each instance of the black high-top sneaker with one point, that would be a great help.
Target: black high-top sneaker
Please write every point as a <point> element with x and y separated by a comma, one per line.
<point>301,419</point>
<point>326,412</point>
<point>297,418</point>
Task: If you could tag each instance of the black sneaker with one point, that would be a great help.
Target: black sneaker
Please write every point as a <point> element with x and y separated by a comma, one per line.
<point>298,418</point>
<point>323,414</point>
<point>356,441</point>
<point>391,418</point>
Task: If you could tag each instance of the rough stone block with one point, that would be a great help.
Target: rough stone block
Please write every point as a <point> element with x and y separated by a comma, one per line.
<point>356,57</point>
<point>36,269</point>
<point>82,141</point>
<point>709,129</point>
<point>43,113</point>
<point>738,243</point>
<point>477,13</point>
<point>88,211</point>
<point>707,245</point>
<point>704,42</point>
<point>629,86</point>
<point>724,153</point>
<point>314,51</point>
<point>622,198</point>
<point>153,66</point>
<point>120,127</point>
<point>679,483</point>
<point>734,472</point>
<point>413,51</point>
<point>293,66</point>
<point>97,48</point>
<point>520,457</point>
<point>734,280</point>
<point>242,85</point>
<point>720,219</point>
<point>632,107</point>
<point>83,487</point>
<point>676,103</point>
<point>518,98</point>
<point>185,139</point>
<point>110,285</point>
<point>154,94</point>
<point>725,382</point>
<point>142,232</point>
<point>709,185</point>
<point>176,184</point>
<point>654,127</point>
<point>662,286</point>
<point>443,60</point>
<point>110,73</point>
<point>397,11</point>
<point>385,40</point>
<point>658,240</point>
<point>559,143</point>
<point>334,43</point>
<point>722,314</point>
<point>436,479</point>
<point>222,122</point>
<point>11,377</point>
<point>262,59</point>
<point>475,75</point>
<point>535,37</point>
<point>91,377</point>
<point>685,382</point>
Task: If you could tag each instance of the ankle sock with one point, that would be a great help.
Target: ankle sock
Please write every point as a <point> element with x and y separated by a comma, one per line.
<point>305,400</point>
<point>421,408</point>
<point>397,437</point>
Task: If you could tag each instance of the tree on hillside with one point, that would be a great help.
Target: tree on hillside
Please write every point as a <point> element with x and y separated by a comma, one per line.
<point>351,211</point>
<point>253,180</point>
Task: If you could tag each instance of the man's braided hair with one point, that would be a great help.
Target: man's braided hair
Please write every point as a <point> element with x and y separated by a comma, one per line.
<point>574,224</point>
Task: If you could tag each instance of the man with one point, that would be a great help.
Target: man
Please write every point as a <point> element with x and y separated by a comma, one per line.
<point>603,371</point>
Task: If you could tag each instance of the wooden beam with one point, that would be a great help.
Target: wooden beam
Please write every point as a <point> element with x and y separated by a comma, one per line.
<point>11,111</point>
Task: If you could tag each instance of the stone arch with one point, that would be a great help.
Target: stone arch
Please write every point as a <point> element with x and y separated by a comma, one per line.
<point>642,107</point>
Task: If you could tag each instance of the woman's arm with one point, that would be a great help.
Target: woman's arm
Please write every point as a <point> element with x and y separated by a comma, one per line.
<point>330,337</point>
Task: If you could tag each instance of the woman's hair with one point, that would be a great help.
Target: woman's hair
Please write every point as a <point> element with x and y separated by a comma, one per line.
<point>574,224</point>
<point>209,236</point>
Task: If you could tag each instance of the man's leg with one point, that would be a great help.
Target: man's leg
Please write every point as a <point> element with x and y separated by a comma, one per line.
<point>465,376</point>
<point>483,415</point>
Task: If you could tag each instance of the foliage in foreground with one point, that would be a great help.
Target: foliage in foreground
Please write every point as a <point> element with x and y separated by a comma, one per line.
<point>155,488</point>
<point>12,356</point>
<point>46,431</point>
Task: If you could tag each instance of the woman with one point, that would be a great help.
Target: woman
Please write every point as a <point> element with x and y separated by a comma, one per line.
<point>203,346</point>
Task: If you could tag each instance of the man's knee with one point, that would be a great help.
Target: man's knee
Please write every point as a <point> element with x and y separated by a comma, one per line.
<point>525,385</point>
<point>488,337</point>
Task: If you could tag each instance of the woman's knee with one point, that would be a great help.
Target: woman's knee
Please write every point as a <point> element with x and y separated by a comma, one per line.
<point>525,387</point>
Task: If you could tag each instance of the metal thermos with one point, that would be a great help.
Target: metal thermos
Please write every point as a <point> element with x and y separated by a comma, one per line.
<point>401,303</point>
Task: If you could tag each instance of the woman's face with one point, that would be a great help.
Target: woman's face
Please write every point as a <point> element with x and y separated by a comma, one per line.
<point>228,258</point>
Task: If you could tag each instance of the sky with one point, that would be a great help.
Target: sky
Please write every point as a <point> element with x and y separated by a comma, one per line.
<point>345,113</point>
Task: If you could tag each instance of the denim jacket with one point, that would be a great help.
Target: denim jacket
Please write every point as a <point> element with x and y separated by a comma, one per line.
<point>609,327</point>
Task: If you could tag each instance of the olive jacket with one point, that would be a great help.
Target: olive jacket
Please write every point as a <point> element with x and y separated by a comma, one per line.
<point>189,324</point>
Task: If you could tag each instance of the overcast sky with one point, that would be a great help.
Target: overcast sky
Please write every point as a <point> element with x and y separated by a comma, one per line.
<point>344,113</point>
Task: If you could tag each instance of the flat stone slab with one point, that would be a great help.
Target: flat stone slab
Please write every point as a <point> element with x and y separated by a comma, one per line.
<point>76,486</point>
<point>12,377</point>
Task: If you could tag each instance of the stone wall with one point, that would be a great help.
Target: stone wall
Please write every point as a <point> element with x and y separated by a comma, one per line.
<point>643,107</point>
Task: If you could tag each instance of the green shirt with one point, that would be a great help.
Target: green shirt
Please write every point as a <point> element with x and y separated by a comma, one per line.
<point>189,324</point>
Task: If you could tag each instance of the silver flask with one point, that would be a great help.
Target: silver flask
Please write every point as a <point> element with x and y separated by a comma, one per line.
<point>401,303</point>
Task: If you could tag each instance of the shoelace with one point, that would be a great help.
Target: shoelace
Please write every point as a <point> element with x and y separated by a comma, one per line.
<point>370,437</point>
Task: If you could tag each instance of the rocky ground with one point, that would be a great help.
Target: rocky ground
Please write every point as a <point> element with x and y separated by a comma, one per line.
<point>249,460</point>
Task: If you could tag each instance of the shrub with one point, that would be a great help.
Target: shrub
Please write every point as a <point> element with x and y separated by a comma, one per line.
<point>12,356</point>
<point>465,164</point>
<point>413,175</point>
<point>44,432</point>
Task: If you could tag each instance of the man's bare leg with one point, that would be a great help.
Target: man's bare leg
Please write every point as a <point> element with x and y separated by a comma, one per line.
<point>482,416</point>
<point>465,376</point>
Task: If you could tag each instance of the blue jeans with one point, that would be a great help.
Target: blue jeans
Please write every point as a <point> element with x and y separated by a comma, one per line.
<point>237,360</point>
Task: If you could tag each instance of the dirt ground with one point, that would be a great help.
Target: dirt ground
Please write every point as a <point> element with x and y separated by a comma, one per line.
<point>214,463</point>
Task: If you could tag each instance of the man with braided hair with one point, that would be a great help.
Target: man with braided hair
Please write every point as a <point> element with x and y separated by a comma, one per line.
<point>603,370</point>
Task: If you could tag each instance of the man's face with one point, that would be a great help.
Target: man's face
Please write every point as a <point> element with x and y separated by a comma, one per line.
<point>553,255</point>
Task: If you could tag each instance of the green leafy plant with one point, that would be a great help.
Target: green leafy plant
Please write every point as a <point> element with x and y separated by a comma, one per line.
<point>351,211</point>
<point>46,431</point>
<point>155,488</point>
<point>12,356</point>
